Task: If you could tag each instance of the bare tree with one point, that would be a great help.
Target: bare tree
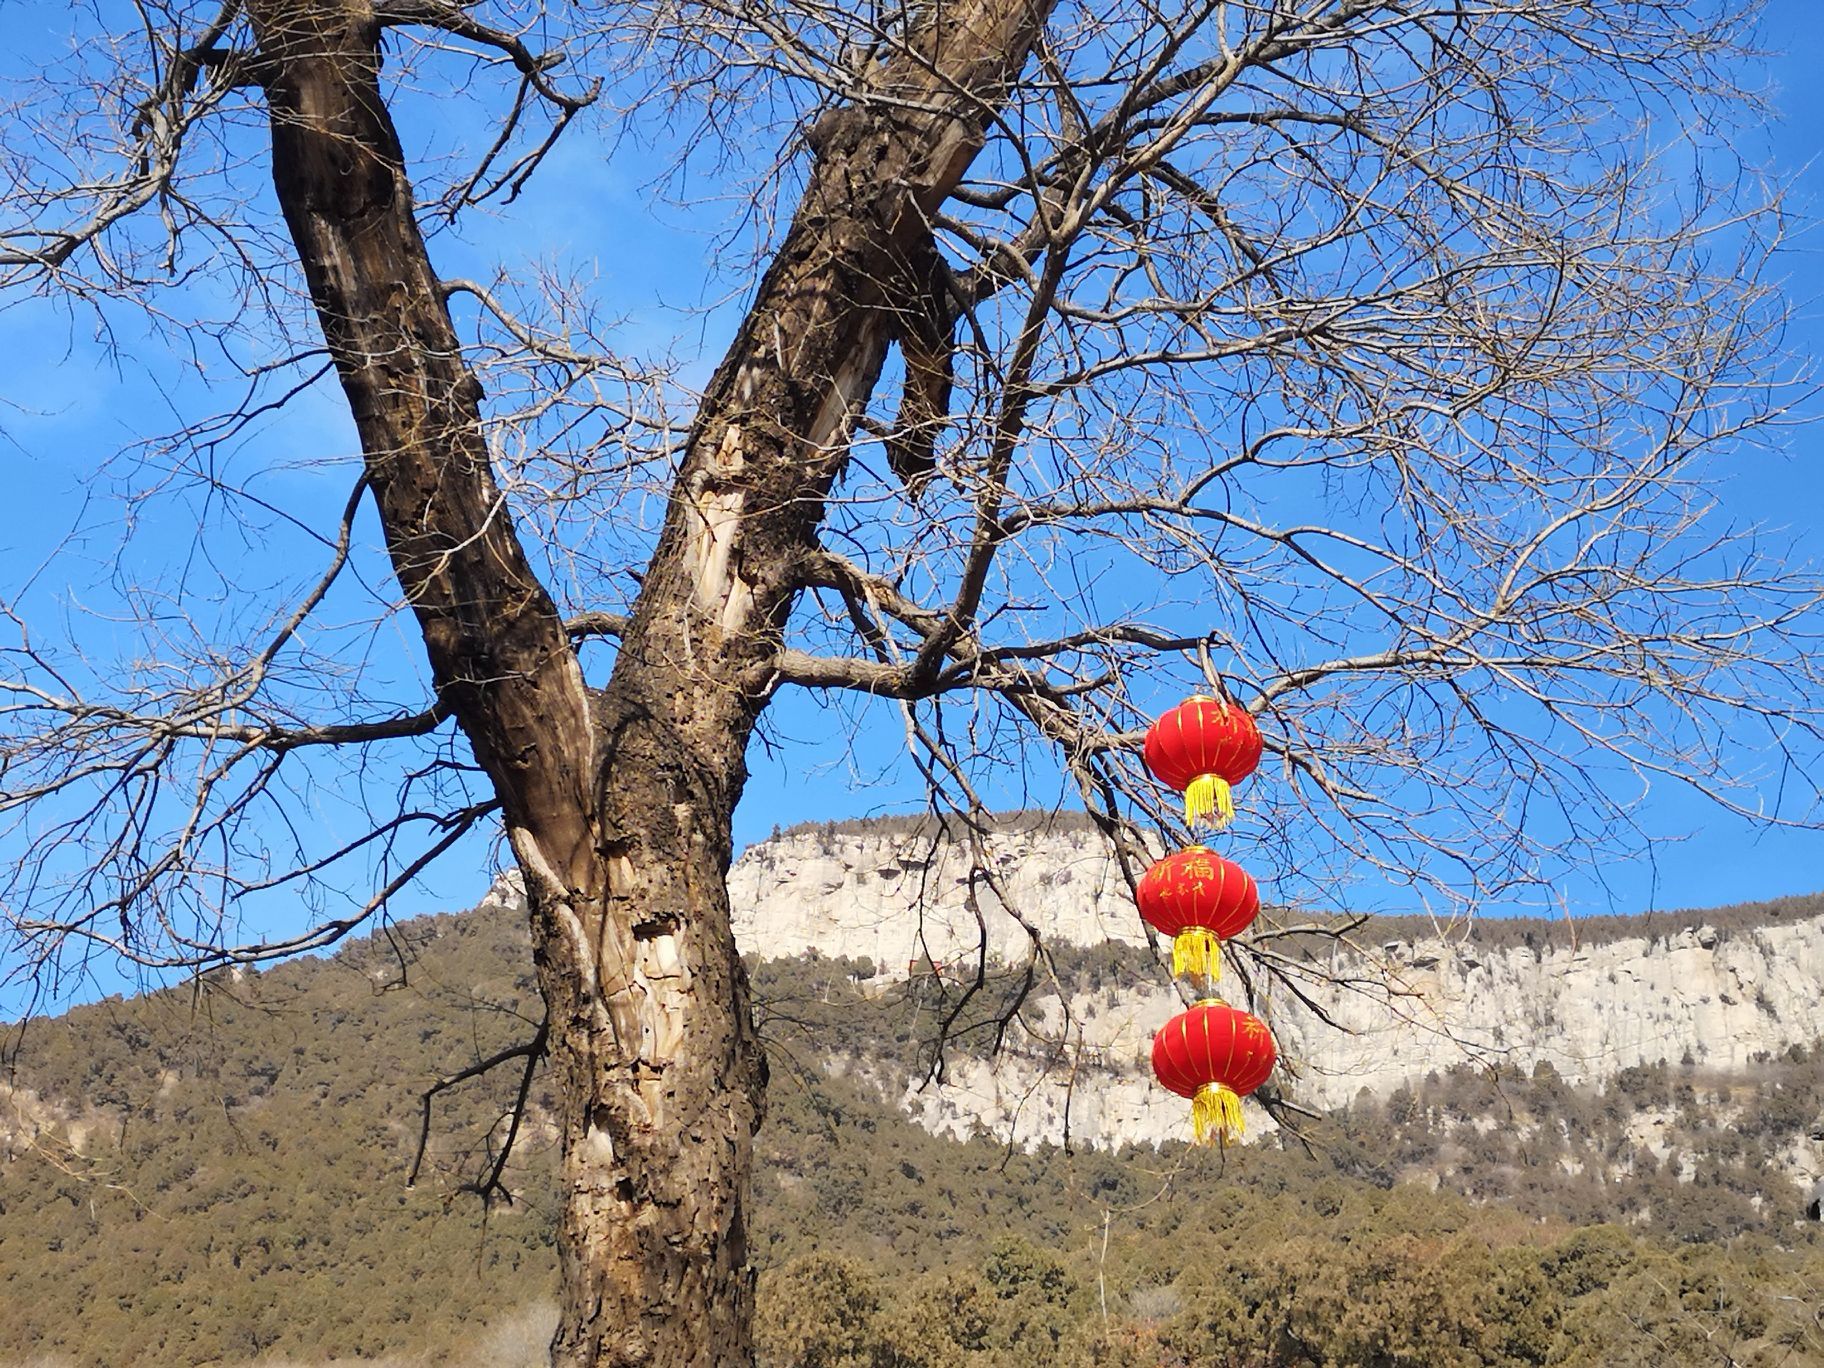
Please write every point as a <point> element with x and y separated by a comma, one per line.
<point>1380,349</point>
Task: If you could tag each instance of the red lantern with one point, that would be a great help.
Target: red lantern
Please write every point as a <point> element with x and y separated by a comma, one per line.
<point>1201,748</point>
<point>1215,1055</point>
<point>1200,900</point>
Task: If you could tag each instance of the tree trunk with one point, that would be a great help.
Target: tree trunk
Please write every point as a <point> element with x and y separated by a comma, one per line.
<point>618,804</point>
<point>618,811</point>
<point>658,1068</point>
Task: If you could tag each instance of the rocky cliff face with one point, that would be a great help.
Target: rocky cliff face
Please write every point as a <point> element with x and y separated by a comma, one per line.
<point>1401,1007</point>
<point>899,899</point>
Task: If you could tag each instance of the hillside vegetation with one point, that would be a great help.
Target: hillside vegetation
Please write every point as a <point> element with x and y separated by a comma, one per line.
<point>218,1175</point>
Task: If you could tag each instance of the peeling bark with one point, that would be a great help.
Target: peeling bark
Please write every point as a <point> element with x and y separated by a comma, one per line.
<point>618,803</point>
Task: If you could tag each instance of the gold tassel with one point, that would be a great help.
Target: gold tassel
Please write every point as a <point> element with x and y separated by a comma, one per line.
<point>1216,1114</point>
<point>1195,950</point>
<point>1209,799</point>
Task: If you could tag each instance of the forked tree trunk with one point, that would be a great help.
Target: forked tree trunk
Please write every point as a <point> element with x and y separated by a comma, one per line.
<point>618,804</point>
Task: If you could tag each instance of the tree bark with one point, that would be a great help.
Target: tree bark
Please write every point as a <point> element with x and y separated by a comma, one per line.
<point>618,804</point>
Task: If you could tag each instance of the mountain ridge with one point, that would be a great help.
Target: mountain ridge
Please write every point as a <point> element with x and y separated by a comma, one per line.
<point>1592,998</point>
<point>218,1174</point>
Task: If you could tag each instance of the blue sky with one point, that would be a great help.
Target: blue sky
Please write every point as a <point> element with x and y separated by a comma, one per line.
<point>66,400</point>
<point>1701,859</point>
<point>1698,857</point>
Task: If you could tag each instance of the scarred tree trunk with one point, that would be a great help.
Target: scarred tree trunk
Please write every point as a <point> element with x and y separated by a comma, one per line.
<point>618,804</point>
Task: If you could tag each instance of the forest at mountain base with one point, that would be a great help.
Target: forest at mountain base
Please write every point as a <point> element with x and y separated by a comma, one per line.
<point>217,1175</point>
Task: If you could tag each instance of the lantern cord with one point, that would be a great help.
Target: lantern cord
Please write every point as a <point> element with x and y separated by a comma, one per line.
<point>1209,668</point>
<point>1209,799</point>
<point>1216,1114</point>
<point>1196,950</point>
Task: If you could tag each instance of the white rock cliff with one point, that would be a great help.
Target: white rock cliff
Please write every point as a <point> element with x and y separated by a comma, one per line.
<point>1591,1011</point>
